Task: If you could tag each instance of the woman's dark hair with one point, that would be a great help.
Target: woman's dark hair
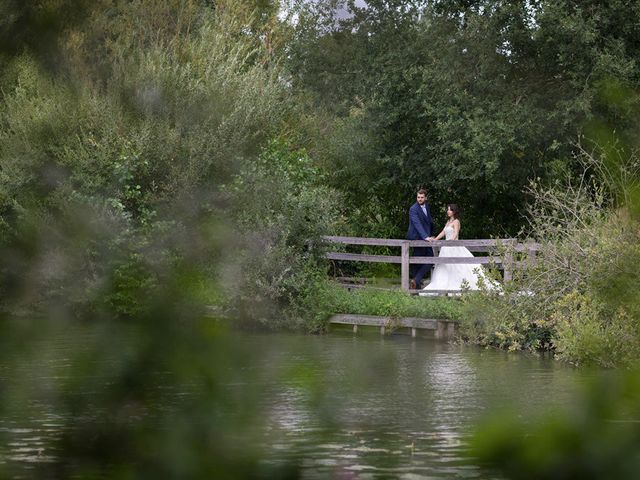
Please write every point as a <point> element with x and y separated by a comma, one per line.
<point>456,211</point>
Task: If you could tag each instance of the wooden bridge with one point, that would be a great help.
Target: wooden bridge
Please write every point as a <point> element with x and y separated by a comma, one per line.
<point>506,254</point>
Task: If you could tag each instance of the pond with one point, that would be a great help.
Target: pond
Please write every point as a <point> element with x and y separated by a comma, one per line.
<point>399,406</point>
<point>331,406</point>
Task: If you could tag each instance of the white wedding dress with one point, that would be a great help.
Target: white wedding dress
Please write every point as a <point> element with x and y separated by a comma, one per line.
<point>455,276</point>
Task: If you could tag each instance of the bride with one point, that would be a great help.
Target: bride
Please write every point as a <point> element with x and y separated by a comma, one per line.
<point>455,276</point>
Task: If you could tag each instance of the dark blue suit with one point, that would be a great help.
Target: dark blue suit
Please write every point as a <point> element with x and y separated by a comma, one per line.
<point>420,227</point>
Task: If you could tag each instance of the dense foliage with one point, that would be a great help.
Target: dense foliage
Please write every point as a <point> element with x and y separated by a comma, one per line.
<point>114,163</point>
<point>160,156</point>
<point>141,124</point>
<point>470,99</point>
<point>579,297</point>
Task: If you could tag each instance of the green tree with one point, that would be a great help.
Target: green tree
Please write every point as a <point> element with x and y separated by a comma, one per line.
<point>472,99</point>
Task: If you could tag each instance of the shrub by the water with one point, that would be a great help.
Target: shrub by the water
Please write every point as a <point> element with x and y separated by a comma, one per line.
<point>279,208</point>
<point>580,298</point>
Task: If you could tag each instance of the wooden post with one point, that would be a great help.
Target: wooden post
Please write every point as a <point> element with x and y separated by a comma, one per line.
<point>531,256</point>
<point>404,266</point>
<point>355,328</point>
<point>451,329</point>
<point>440,329</point>
<point>508,276</point>
<point>413,332</point>
<point>445,330</point>
<point>508,263</point>
<point>382,330</point>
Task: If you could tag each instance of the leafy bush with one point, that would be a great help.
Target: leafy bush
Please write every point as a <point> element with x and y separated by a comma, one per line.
<point>580,297</point>
<point>588,333</point>
<point>110,169</point>
<point>279,208</point>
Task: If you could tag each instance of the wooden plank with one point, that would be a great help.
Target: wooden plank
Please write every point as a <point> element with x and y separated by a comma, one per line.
<point>387,242</point>
<point>380,242</point>
<point>469,243</point>
<point>508,264</point>
<point>480,248</point>
<point>528,247</point>
<point>455,260</point>
<point>376,321</point>
<point>355,286</point>
<point>461,243</point>
<point>438,292</point>
<point>359,257</point>
<point>349,286</point>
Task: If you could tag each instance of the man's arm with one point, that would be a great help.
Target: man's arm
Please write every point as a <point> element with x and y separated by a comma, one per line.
<point>415,221</point>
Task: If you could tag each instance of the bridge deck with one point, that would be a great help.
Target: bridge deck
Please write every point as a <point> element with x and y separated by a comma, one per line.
<point>443,328</point>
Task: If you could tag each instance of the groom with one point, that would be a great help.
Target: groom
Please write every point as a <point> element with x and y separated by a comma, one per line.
<point>420,228</point>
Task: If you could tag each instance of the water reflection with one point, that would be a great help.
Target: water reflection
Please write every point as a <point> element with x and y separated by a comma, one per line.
<point>399,406</point>
<point>338,406</point>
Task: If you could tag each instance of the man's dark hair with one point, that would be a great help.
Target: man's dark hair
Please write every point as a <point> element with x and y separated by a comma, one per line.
<point>422,191</point>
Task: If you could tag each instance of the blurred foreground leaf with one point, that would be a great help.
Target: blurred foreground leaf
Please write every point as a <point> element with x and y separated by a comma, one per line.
<point>597,437</point>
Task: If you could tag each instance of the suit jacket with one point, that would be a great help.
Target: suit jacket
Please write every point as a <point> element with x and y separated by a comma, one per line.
<point>420,225</point>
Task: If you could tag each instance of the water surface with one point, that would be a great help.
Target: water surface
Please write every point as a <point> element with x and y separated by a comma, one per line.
<point>397,406</point>
<point>333,406</point>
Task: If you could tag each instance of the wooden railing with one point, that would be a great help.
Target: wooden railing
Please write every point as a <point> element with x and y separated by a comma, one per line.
<point>507,263</point>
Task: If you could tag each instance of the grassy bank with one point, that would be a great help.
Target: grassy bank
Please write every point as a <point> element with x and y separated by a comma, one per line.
<point>328,299</point>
